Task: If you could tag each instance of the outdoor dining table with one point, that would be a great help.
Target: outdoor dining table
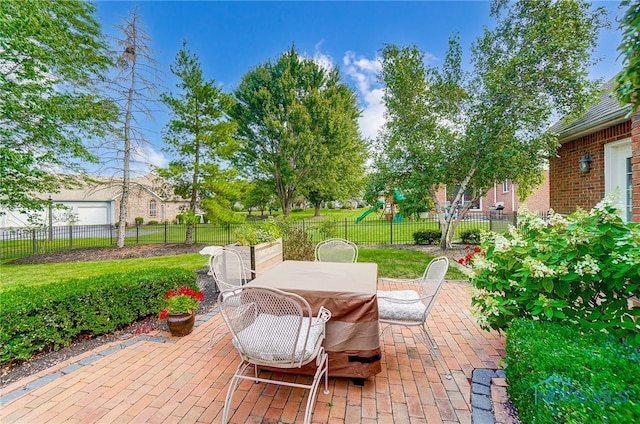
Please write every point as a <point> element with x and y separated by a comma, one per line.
<point>348,290</point>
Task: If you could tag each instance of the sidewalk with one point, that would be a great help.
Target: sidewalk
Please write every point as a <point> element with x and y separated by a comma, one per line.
<point>160,379</point>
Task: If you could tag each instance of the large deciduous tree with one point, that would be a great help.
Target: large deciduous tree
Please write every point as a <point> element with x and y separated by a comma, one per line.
<point>468,131</point>
<point>199,136</point>
<point>297,126</point>
<point>51,56</point>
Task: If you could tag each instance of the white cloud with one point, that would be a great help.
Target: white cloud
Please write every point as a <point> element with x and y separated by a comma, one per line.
<point>364,72</point>
<point>145,156</point>
<point>322,59</point>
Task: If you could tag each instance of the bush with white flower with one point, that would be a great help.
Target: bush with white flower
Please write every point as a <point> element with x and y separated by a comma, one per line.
<point>582,268</point>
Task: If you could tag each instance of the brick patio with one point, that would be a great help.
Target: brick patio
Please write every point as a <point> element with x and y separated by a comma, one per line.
<point>159,379</point>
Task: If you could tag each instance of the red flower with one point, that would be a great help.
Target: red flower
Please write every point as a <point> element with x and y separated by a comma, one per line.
<point>461,261</point>
<point>467,247</point>
<point>477,249</point>
<point>200,296</point>
<point>163,313</point>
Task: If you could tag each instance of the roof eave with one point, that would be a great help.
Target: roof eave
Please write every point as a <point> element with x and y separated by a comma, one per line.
<point>592,126</point>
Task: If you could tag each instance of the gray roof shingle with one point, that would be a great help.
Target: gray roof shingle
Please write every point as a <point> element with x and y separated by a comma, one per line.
<point>605,109</point>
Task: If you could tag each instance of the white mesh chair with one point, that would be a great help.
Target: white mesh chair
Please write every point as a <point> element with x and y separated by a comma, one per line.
<point>411,307</point>
<point>229,272</point>
<point>273,328</point>
<point>336,250</point>
<point>228,269</point>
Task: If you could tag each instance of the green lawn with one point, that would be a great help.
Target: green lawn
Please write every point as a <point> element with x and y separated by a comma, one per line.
<point>393,263</point>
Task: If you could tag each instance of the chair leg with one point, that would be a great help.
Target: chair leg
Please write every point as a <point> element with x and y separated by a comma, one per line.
<point>322,367</point>
<point>216,334</point>
<point>233,385</point>
<point>433,349</point>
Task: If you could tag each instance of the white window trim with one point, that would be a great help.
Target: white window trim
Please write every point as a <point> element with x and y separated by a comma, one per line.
<point>615,175</point>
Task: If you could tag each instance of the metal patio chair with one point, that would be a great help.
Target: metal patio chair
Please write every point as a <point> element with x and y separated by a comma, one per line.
<point>273,328</point>
<point>336,250</point>
<point>411,308</point>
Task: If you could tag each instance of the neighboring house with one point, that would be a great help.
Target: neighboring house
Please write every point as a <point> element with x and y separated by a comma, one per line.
<point>503,196</point>
<point>100,204</point>
<point>599,153</point>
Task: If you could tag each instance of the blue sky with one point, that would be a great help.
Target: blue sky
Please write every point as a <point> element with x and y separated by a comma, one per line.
<point>231,38</point>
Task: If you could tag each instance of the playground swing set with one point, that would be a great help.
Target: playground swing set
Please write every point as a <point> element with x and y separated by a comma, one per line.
<point>390,205</point>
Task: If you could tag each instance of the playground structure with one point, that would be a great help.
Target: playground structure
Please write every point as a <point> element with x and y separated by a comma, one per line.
<point>390,205</point>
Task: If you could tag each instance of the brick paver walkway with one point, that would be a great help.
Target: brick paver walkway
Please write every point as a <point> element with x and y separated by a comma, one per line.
<point>159,379</point>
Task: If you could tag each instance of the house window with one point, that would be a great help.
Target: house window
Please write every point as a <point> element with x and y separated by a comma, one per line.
<point>153,209</point>
<point>505,186</point>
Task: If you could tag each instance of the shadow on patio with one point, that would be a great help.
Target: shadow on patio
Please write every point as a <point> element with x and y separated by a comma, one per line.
<point>159,379</point>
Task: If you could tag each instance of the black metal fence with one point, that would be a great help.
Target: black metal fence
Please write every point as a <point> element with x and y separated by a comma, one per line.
<point>27,241</point>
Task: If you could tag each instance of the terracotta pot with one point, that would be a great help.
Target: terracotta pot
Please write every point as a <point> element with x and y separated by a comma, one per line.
<point>181,324</point>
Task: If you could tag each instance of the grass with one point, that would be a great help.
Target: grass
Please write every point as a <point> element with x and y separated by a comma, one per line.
<point>392,263</point>
<point>50,273</point>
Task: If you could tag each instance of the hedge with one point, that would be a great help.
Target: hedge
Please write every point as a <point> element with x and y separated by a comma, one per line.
<point>427,236</point>
<point>561,372</point>
<point>47,317</point>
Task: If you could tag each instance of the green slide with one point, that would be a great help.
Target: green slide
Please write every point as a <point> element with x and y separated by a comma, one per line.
<point>368,211</point>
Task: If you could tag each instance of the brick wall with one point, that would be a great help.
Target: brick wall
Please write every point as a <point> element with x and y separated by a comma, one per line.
<point>538,201</point>
<point>569,187</point>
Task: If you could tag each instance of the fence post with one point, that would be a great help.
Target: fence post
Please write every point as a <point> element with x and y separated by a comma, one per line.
<point>165,232</point>
<point>391,231</point>
<point>70,237</point>
<point>137,234</point>
<point>228,233</point>
<point>35,242</point>
<point>345,230</point>
<point>195,234</point>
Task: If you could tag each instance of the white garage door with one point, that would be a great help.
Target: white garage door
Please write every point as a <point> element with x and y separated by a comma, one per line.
<point>92,215</point>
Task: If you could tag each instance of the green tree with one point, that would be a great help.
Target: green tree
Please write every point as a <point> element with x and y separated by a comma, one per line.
<point>297,125</point>
<point>199,135</point>
<point>628,80</point>
<point>259,194</point>
<point>51,57</point>
<point>467,131</point>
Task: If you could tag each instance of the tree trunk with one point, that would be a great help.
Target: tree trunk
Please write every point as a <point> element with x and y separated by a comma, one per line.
<point>317,208</point>
<point>189,237</point>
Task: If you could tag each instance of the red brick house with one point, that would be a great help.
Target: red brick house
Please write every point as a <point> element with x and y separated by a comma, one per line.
<point>599,153</point>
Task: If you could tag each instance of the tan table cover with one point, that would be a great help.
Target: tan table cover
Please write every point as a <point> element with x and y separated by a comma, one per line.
<point>348,290</point>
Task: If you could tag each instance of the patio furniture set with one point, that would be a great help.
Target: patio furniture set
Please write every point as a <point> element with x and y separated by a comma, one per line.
<point>320,318</point>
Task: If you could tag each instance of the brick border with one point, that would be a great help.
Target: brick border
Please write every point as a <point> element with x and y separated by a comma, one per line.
<point>482,410</point>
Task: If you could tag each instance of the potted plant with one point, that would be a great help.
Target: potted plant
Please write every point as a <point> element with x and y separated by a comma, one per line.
<point>180,310</point>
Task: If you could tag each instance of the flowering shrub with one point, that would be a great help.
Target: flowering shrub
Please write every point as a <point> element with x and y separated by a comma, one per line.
<point>182,301</point>
<point>582,268</point>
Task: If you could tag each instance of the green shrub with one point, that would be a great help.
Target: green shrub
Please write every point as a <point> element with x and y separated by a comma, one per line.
<point>47,317</point>
<point>297,210</point>
<point>582,268</point>
<point>563,373</point>
<point>152,222</point>
<point>139,220</point>
<point>471,236</point>
<point>298,246</point>
<point>427,236</point>
<point>262,232</point>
